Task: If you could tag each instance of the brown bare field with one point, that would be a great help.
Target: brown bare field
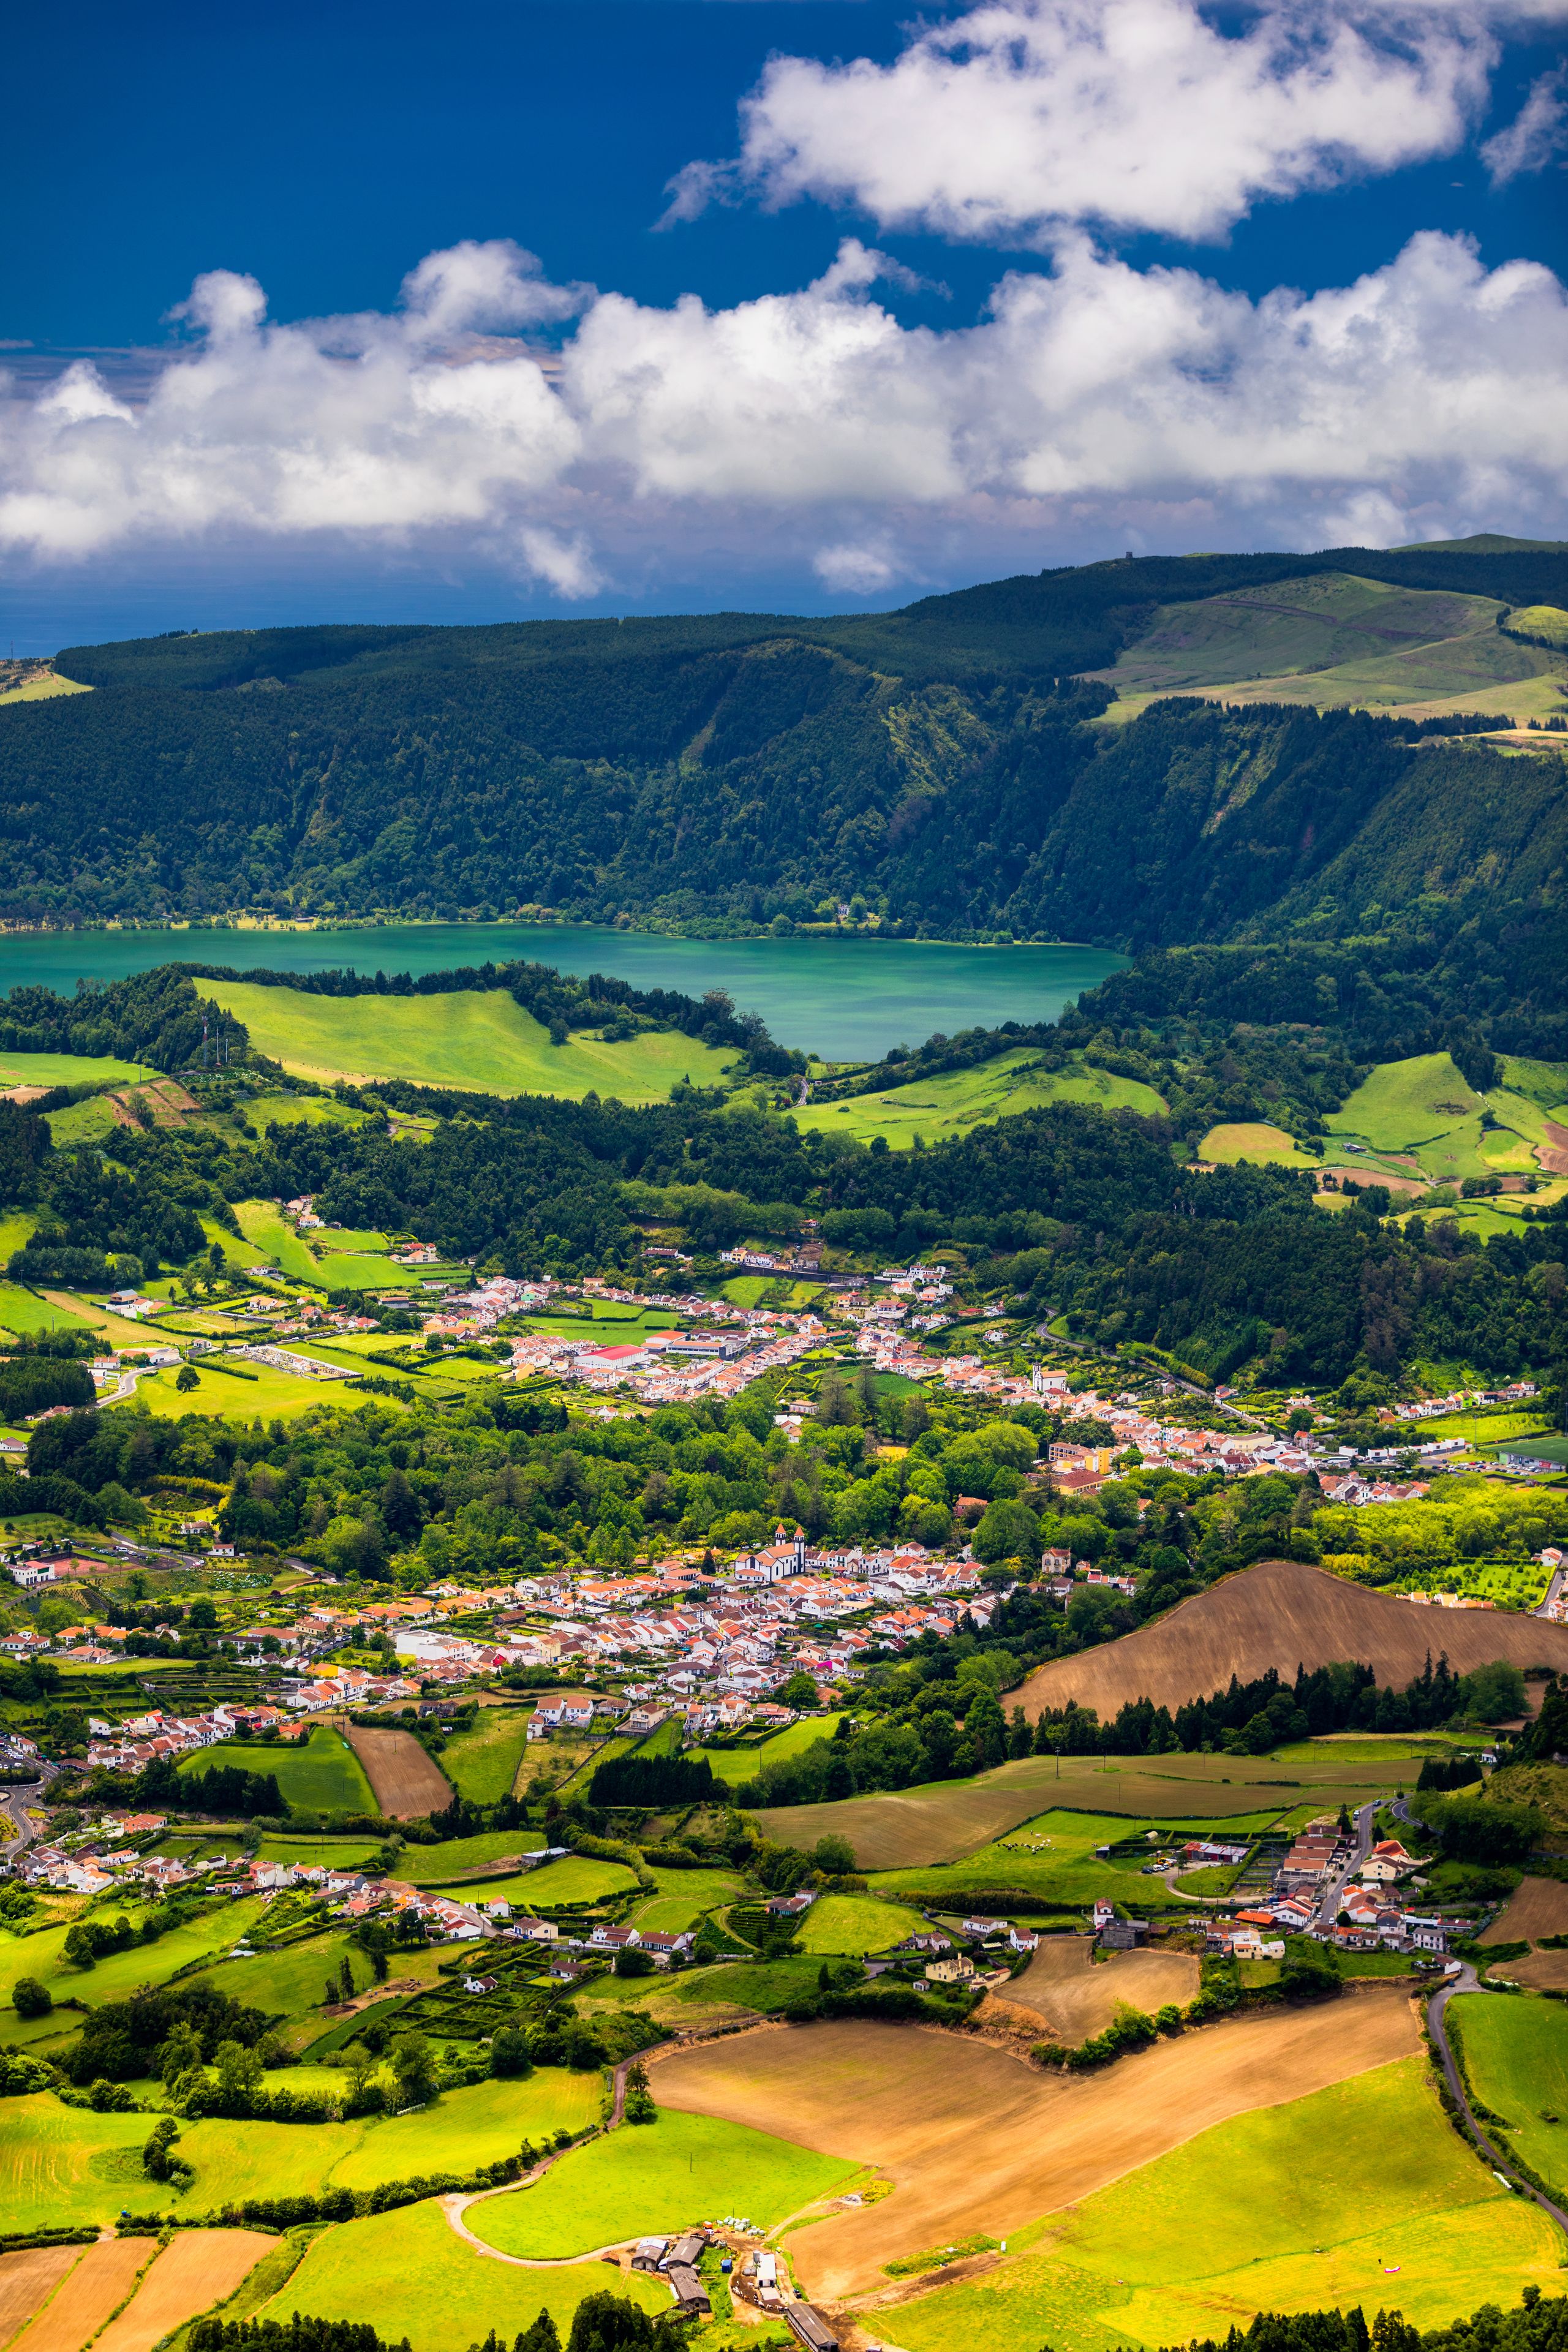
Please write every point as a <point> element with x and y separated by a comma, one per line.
<point>99,2285</point>
<point>976,2140</point>
<point>942,1821</point>
<point>195,2269</point>
<point>1283,1614</point>
<point>1538,1906</point>
<point>27,2279</point>
<point>406,1782</point>
<point>1077,1996</point>
<point>1546,1972</point>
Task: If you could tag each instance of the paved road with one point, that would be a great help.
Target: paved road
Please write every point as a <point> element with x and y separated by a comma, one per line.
<point>1467,1981</point>
<point>1329,1907</point>
<point>15,1801</point>
<point>1554,1591</point>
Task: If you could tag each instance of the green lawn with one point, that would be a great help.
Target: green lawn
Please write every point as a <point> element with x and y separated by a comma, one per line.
<point>481,1764</point>
<point>951,1104</point>
<point>1516,2053</point>
<point>1360,2194</point>
<point>479,1040</point>
<point>408,2274</point>
<point>656,2176</point>
<point>320,1773</point>
<point>855,1924</point>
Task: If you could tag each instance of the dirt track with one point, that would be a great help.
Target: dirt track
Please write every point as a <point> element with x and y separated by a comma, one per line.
<point>100,2284</point>
<point>1077,1997</point>
<point>27,2279</point>
<point>1283,1613</point>
<point>195,2271</point>
<point>406,1782</point>
<point>1538,1907</point>
<point>975,2140</point>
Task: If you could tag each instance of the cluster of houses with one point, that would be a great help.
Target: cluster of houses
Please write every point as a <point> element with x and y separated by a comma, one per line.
<point>1368,1914</point>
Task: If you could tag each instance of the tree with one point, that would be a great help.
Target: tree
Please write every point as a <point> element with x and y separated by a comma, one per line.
<point>81,1944</point>
<point>1007,1531</point>
<point>30,1999</point>
<point>510,2054</point>
<point>542,2336</point>
<point>631,1962</point>
<point>238,2076</point>
<point>608,2323</point>
<point>202,1616</point>
<point>639,2105</point>
<point>345,1979</point>
<point>414,2063</point>
<point>181,2052</point>
<point>983,1727</point>
<point>1495,1691</point>
<point>799,1691</point>
<point>834,1854</point>
<point>186,1379</point>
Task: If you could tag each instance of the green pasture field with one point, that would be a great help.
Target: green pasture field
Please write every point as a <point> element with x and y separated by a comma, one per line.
<point>432,1865</point>
<point>43,1956</point>
<point>1424,1108</point>
<point>1051,1858</point>
<point>44,690</point>
<point>329,1241</point>
<point>344,1270</point>
<point>302,1110</point>
<point>684,1898</point>
<point>1485,1428</point>
<point>856,1924</point>
<point>474,1040</point>
<point>25,1314</point>
<point>320,1773</point>
<point>408,2273</point>
<point>17,1229</point>
<point>1251,1139</point>
<point>221,1396</point>
<point>290,1983</point>
<point>270,1233</point>
<point>760,1985</point>
<point>61,2165</point>
<point>576,1880</point>
<point>68,1070</point>
<point>481,1764</point>
<point>1516,2055</point>
<point>1542,620</point>
<point>656,2176</point>
<point>82,1122</point>
<point>738,1764</point>
<point>1292,2207</point>
<point>771,1290</point>
<point>957,1100</point>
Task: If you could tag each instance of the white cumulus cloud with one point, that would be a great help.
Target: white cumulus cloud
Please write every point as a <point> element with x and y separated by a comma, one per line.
<point>1537,133</point>
<point>1095,406</point>
<point>1004,123</point>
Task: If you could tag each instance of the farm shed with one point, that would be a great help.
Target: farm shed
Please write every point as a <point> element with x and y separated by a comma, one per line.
<point>690,2295</point>
<point>810,2327</point>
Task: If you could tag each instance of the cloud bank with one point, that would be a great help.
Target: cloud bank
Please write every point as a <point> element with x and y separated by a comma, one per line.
<point>1420,401</point>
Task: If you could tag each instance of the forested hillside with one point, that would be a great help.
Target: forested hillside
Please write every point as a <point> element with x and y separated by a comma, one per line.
<point>940,762</point>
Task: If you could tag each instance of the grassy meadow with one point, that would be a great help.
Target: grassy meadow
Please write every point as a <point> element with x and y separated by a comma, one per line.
<point>951,1104</point>
<point>319,1773</point>
<point>1222,1147</point>
<point>481,1764</point>
<point>68,1070</point>
<point>479,1040</point>
<point>1293,2207</point>
<point>656,2176</point>
<point>852,1925</point>
<point>1423,1109</point>
<point>408,2273</point>
<point>1516,2056</point>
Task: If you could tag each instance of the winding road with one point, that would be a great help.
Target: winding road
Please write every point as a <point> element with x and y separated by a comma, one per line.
<point>1467,1981</point>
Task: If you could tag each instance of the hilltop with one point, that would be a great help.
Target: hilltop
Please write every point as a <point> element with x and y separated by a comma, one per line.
<point>950,764</point>
<point>1283,1613</point>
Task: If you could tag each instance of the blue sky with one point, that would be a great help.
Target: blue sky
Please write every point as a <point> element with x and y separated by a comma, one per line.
<point>1042,281</point>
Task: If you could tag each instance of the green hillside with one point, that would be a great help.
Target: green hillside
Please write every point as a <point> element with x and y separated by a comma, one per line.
<point>751,766</point>
<point>960,1099</point>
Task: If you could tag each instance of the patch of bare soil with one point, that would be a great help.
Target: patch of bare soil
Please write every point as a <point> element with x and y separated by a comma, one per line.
<point>1077,1996</point>
<point>974,2140</point>
<point>406,1782</point>
<point>1547,1971</point>
<point>195,2269</point>
<point>1538,1906</point>
<point>27,2279</point>
<point>1282,1614</point>
<point>99,2285</point>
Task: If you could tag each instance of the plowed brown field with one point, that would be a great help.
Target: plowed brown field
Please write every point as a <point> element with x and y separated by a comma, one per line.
<point>976,2140</point>
<point>195,2269</point>
<point>1538,1907</point>
<point>27,2279</point>
<point>1078,1996</point>
<point>99,2285</point>
<point>406,1782</point>
<point>1284,1615</point>
<point>1547,1971</point>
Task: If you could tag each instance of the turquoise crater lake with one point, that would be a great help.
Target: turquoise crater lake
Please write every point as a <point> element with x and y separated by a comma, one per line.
<point>848,999</point>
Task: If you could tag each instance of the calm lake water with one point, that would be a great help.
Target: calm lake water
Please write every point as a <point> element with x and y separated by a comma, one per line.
<point>850,999</point>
